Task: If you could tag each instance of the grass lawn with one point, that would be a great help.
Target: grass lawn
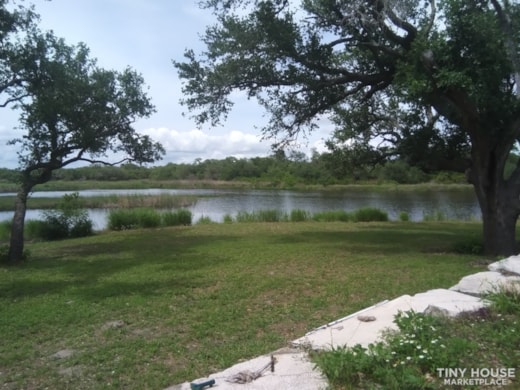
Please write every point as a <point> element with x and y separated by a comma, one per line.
<point>197,299</point>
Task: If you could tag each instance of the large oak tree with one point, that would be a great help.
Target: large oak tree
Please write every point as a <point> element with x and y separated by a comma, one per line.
<point>381,69</point>
<point>72,111</point>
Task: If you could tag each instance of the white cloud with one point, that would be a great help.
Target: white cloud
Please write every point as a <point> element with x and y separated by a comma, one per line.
<point>186,146</point>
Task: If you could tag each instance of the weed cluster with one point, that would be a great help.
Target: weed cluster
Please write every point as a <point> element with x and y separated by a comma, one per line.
<point>409,358</point>
<point>367,214</point>
<point>68,220</point>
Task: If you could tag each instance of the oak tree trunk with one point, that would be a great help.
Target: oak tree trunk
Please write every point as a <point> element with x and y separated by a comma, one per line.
<point>16,247</point>
<point>499,229</point>
<point>499,204</point>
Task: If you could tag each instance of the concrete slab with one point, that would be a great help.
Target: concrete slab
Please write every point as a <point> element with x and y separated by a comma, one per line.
<point>509,265</point>
<point>446,302</point>
<point>293,370</point>
<point>486,282</point>
<point>351,330</point>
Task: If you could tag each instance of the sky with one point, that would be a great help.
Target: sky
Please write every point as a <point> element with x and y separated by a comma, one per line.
<point>147,35</point>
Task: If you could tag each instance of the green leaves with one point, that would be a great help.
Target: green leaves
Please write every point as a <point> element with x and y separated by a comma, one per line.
<point>80,112</point>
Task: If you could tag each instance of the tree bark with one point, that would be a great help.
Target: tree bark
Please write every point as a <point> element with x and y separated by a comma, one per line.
<point>500,210</point>
<point>499,228</point>
<point>16,247</point>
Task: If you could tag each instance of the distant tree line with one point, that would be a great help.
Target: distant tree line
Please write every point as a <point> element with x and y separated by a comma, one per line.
<point>280,168</point>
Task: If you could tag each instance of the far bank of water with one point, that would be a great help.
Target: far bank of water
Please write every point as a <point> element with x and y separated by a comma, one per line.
<point>216,203</point>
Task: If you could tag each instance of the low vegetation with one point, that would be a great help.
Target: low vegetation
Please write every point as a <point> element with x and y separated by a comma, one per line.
<point>149,308</point>
<point>163,201</point>
<point>411,357</point>
<point>123,219</point>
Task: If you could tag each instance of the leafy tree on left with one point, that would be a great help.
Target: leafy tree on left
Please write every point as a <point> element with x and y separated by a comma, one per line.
<point>71,111</point>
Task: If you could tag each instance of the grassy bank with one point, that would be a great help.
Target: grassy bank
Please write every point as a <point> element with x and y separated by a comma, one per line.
<point>150,308</point>
<point>62,185</point>
<point>164,201</point>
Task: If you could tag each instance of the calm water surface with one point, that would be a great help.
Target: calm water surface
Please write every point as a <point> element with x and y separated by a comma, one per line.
<point>215,204</point>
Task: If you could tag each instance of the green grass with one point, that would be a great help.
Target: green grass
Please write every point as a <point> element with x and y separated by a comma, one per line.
<point>200,298</point>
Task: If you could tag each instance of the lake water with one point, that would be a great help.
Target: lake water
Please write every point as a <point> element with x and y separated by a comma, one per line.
<point>215,204</point>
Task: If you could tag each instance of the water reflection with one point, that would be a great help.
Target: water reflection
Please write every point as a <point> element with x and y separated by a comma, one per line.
<point>215,204</point>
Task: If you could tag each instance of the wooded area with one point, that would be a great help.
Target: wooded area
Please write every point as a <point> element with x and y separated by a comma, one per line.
<point>321,169</point>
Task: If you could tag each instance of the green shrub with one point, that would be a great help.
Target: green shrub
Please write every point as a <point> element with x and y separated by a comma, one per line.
<point>68,220</point>
<point>402,173</point>
<point>404,216</point>
<point>122,219</point>
<point>370,214</point>
<point>228,218</point>
<point>506,301</point>
<point>54,227</point>
<point>148,218</point>
<point>81,228</point>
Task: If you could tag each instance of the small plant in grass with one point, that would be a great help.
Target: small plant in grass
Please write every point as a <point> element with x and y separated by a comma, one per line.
<point>228,218</point>
<point>404,216</point>
<point>370,214</point>
<point>506,301</point>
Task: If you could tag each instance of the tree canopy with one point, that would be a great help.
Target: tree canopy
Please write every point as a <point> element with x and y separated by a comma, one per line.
<point>441,74</point>
<point>71,109</point>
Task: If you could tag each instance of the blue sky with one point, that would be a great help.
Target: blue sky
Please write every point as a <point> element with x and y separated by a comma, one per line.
<point>147,35</point>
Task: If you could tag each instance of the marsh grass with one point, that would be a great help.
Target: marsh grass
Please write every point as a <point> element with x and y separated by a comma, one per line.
<point>124,219</point>
<point>299,215</point>
<point>269,215</point>
<point>333,216</point>
<point>197,299</point>
<point>369,214</point>
<point>161,201</point>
